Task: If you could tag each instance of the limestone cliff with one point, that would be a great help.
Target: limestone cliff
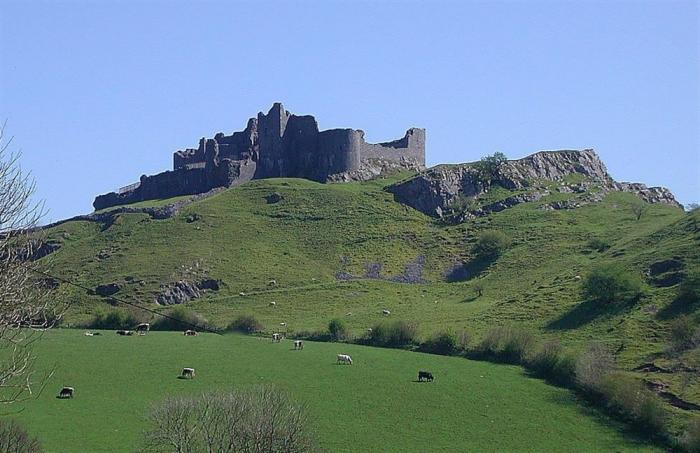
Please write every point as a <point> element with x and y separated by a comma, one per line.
<point>437,190</point>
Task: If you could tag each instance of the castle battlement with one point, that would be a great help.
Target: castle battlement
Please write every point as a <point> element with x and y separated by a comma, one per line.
<point>276,144</point>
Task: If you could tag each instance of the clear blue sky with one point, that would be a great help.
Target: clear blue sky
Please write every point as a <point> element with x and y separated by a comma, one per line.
<point>97,93</point>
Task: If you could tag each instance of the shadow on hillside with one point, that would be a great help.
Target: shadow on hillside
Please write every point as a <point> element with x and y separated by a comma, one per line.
<point>587,311</point>
<point>679,306</point>
<point>467,271</point>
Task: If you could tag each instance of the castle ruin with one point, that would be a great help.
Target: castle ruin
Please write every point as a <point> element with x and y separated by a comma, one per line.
<point>276,144</point>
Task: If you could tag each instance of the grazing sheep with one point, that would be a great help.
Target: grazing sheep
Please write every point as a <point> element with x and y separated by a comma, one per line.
<point>242,294</point>
<point>272,283</point>
<point>344,358</point>
<point>66,392</point>
<point>386,312</point>
<point>298,344</point>
<point>348,313</point>
<point>427,375</point>
<point>125,332</point>
<point>89,334</point>
<point>143,328</point>
<point>190,333</point>
<point>276,337</point>
<point>272,304</point>
<point>187,373</point>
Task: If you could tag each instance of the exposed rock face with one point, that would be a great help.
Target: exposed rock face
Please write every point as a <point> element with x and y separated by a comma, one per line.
<point>436,190</point>
<point>183,291</point>
<point>278,144</point>
<point>109,289</point>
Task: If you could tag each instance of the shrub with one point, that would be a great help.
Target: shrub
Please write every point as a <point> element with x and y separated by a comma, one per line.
<point>611,283</point>
<point>628,397</point>
<point>490,245</point>
<point>180,318</point>
<point>564,372</point>
<point>14,439</point>
<point>592,366</point>
<point>598,244</point>
<point>116,319</point>
<point>444,343</point>
<point>245,324</point>
<point>489,167</point>
<point>464,338</point>
<point>543,361</point>
<point>394,334</point>
<point>689,289</point>
<point>690,440</point>
<point>682,334</point>
<point>254,420</point>
<point>338,330</point>
<point>507,344</point>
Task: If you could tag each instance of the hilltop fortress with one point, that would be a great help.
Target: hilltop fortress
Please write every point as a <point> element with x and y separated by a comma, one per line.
<point>276,144</point>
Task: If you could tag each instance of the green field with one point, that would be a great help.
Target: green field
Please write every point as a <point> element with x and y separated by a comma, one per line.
<point>373,405</point>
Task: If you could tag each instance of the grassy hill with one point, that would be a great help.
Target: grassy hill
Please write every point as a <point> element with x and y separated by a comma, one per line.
<point>320,232</point>
<point>373,405</point>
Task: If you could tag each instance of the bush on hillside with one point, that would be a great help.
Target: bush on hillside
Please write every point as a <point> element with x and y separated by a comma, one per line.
<point>507,344</point>
<point>245,324</point>
<point>690,440</point>
<point>684,334</point>
<point>180,318</point>
<point>689,289</point>
<point>489,167</point>
<point>551,362</point>
<point>628,397</point>
<point>394,334</point>
<point>464,338</point>
<point>116,319</point>
<point>15,439</point>
<point>490,245</point>
<point>598,244</point>
<point>443,343</point>
<point>611,282</point>
<point>337,330</point>
<point>592,366</point>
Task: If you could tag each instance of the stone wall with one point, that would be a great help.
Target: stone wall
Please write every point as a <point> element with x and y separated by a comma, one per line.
<point>276,144</point>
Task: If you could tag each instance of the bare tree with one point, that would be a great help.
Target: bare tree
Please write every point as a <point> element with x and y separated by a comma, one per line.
<point>14,439</point>
<point>24,308</point>
<point>260,419</point>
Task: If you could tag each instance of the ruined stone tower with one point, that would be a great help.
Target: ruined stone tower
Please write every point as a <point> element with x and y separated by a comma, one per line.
<point>276,144</point>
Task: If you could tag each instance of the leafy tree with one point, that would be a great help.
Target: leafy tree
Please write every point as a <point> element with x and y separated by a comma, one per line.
<point>611,282</point>
<point>490,245</point>
<point>488,168</point>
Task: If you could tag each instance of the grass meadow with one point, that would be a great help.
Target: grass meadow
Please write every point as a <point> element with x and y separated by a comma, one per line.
<point>373,405</point>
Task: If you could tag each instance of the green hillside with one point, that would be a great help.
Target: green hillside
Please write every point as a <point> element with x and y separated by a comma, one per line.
<point>320,232</point>
<point>373,405</point>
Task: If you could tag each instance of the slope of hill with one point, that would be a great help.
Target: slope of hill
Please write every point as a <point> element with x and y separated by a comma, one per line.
<point>350,250</point>
<point>373,405</point>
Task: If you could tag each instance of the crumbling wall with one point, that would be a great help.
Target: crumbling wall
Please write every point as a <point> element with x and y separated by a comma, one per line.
<point>276,144</point>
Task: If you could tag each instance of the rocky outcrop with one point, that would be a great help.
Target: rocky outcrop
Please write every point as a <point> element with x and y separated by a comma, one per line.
<point>438,190</point>
<point>276,144</point>
<point>183,291</point>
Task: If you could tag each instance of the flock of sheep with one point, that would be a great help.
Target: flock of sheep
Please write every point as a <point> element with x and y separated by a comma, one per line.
<point>189,373</point>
